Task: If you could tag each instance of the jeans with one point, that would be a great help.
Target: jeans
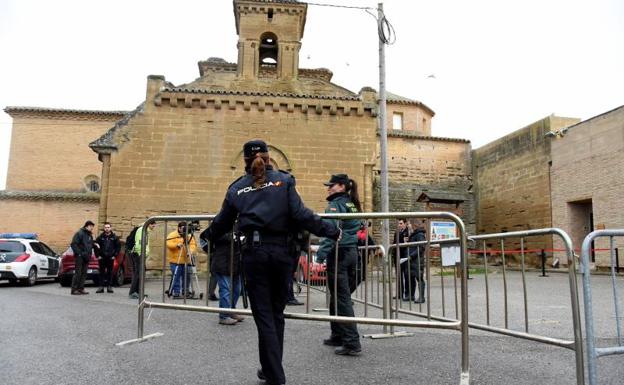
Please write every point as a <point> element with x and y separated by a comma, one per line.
<point>224,292</point>
<point>177,272</point>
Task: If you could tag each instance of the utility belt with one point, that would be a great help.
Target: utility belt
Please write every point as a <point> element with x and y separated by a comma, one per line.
<point>257,238</point>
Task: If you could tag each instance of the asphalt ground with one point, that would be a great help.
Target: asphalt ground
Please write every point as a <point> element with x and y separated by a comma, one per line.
<point>50,337</point>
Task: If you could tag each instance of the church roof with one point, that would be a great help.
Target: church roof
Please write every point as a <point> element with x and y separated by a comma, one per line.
<point>106,141</point>
<point>398,99</point>
<point>21,109</point>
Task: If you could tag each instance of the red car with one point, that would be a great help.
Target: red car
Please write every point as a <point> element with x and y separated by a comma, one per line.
<point>122,268</point>
<point>318,271</point>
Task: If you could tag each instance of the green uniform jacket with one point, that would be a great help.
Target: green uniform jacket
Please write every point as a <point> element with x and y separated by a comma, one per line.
<point>340,203</point>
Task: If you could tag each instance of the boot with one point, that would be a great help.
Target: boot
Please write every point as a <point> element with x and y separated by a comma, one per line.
<point>109,289</point>
<point>100,290</point>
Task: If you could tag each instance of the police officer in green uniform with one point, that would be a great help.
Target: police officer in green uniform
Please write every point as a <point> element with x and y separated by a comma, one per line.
<point>342,196</point>
<point>267,205</point>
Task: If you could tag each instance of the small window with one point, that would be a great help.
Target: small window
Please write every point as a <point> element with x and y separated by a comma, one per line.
<point>91,183</point>
<point>397,121</point>
<point>94,186</point>
<point>270,14</point>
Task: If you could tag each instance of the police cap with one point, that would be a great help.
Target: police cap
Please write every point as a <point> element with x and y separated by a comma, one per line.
<point>338,178</point>
<point>253,147</point>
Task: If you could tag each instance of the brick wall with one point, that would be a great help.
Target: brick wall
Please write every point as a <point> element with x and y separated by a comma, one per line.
<point>180,158</point>
<point>54,221</point>
<point>49,149</point>
<point>417,164</point>
<point>512,183</point>
<point>587,170</point>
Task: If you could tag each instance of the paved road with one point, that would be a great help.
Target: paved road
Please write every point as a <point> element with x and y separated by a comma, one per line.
<point>50,337</point>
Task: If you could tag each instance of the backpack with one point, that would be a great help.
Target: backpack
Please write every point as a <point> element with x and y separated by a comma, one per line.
<point>130,239</point>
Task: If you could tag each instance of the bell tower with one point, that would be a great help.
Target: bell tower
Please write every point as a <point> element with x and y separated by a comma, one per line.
<point>269,37</point>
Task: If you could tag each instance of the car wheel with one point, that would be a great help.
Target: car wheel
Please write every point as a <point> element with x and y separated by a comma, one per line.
<point>119,277</point>
<point>32,277</point>
<point>66,281</point>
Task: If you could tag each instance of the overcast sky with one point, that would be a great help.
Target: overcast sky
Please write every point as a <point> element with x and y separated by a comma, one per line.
<point>497,65</point>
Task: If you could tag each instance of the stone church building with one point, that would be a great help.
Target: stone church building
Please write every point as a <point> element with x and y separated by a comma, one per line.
<point>177,152</point>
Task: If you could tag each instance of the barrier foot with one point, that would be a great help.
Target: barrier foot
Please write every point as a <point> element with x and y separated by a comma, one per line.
<point>320,309</point>
<point>139,340</point>
<point>465,379</point>
<point>388,335</point>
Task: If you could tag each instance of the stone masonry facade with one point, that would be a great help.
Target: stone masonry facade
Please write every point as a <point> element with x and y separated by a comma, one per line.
<point>588,171</point>
<point>512,184</point>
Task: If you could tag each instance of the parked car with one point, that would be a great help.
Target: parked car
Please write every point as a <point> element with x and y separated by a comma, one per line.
<point>122,268</point>
<point>25,258</point>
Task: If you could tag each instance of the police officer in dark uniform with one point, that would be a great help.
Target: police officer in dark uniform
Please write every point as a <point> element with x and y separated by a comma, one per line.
<point>266,204</point>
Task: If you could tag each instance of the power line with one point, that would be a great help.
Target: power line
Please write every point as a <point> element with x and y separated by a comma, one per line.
<point>339,6</point>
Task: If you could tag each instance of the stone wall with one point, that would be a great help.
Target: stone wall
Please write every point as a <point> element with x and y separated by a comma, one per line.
<point>179,158</point>
<point>49,148</point>
<point>587,171</point>
<point>512,184</point>
<point>54,219</point>
<point>417,164</point>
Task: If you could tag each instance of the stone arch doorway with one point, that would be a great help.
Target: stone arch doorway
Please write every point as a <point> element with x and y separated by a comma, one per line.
<point>279,160</point>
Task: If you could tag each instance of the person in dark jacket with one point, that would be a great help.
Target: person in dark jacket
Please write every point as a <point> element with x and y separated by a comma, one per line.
<point>407,283</point>
<point>418,261</point>
<point>82,246</point>
<point>107,246</point>
<point>225,265</point>
<point>297,246</point>
<point>266,204</point>
<point>342,196</point>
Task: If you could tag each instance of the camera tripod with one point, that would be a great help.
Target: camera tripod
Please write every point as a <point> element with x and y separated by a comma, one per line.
<point>188,287</point>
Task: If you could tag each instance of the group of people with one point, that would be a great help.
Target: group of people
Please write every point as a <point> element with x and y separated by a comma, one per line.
<point>411,260</point>
<point>105,247</point>
<point>267,206</point>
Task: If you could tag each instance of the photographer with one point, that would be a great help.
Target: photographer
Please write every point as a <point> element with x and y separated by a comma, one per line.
<point>180,258</point>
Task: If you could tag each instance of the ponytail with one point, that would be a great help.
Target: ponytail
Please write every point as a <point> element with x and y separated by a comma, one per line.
<point>257,167</point>
<point>353,194</point>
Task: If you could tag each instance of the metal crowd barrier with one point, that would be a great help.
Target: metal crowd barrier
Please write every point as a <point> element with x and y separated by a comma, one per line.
<point>577,343</point>
<point>593,352</point>
<point>389,313</point>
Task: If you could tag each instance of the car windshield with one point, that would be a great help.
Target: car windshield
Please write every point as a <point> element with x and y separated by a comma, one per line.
<point>11,247</point>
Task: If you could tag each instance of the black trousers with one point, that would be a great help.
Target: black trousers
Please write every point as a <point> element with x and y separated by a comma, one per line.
<point>267,268</point>
<point>347,261</point>
<point>80,273</point>
<point>106,271</point>
<point>135,259</point>
<point>408,280</point>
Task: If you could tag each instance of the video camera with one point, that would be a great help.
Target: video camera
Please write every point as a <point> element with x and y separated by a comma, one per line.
<point>191,227</point>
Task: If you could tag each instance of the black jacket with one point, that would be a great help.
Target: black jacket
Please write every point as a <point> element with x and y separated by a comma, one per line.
<point>109,245</point>
<point>82,244</point>
<point>220,256</point>
<point>402,235</point>
<point>272,208</point>
<point>417,253</point>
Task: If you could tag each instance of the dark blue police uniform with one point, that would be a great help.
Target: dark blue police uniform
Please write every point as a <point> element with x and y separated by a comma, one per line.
<point>265,215</point>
